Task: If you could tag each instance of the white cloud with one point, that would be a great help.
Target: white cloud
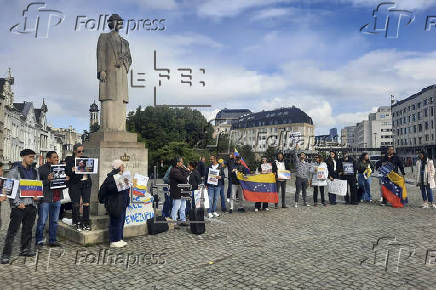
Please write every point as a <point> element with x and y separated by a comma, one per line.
<point>401,4</point>
<point>272,13</point>
<point>230,8</point>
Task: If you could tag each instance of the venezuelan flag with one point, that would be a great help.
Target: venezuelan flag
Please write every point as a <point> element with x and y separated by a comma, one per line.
<point>259,187</point>
<point>393,186</point>
<point>236,153</point>
<point>30,188</point>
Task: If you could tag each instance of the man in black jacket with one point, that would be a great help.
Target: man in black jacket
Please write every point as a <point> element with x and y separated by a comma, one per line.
<point>79,186</point>
<point>236,185</point>
<point>230,164</point>
<point>50,204</point>
<point>391,157</point>
<point>348,171</point>
<point>178,175</point>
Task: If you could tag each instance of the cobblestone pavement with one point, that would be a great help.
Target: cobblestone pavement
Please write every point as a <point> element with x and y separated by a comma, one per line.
<point>334,247</point>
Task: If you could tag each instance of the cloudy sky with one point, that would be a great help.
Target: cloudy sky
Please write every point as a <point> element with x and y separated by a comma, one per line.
<point>258,54</point>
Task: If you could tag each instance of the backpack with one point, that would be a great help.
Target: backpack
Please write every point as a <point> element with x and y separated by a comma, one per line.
<point>166,178</point>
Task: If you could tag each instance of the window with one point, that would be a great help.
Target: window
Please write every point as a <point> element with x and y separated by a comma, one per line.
<point>431,100</point>
<point>414,128</point>
<point>413,118</point>
<point>431,111</point>
<point>418,105</point>
<point>409,118</point>
<point>426,137</point>
<point>432,124</point>
<point>425,102</point>
<point>414,141</point>
<point>420,140</point>
<point>413,107</point>
<point>426,125</point>
<point>419,115</point>
<point>419,127</point>
<point>425,113</point>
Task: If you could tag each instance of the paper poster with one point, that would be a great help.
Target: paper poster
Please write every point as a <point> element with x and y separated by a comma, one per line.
<point>348,168</point>
<point>198,201</point>
<point>30,188</point>
<point>138,213</point>
<point>123,181</point>
<point>266,168</point>
<point>283,174</point>
<point>9,187</point>
<point>337,186</point>
<point>139,189</point>
<point>86,165</point>
<point>59,176</point>
<point>321,173</point>
<point>212,178</point>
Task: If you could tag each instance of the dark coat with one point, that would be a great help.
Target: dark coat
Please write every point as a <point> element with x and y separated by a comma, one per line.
<point>194,179</point>
<point>44,172</point>
<point>114,201</point>
<point>177,176</point>
<point>395,160</point>
<point>201,168</point>
<point>341,166</point>
<point>220,181</point>
<point>330,166</point>
<point>241,168</point>
<point>75,178</point>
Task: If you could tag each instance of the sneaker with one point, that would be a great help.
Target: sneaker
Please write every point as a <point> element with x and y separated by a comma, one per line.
<point>324,204</point>
<point>39,244</point>
<point>266,209</point>
<point>27,253</point>
<point>210,215</point>
<point>86,227</point>
<point>433,205</point>
<point>55,245</point>
<point>382,204</point>
<point>230,210</point>
<point>256,210</point>
<point>296,205</point>
<point>4,260</point>
<point>224,210</point>
<point>306,204</point>
<point>315,204</point>
<point>425,205</point>
<point>241,209</point>
<point>77,227</point>
<point>215,214</point>
<point>123,242</point>
<point>117,244</point>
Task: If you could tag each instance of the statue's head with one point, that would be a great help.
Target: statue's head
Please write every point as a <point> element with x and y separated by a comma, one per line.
<point>115,22</point>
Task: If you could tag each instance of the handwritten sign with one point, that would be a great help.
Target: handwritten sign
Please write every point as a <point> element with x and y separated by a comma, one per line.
<point>337,186</point>
<point>266,168</point>
<point>321,173</point>
<point>283,174</point>
<point>138,213</point>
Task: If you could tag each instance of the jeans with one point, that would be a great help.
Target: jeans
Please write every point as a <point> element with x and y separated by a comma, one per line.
<point>26,217</point>
<point>179,204</point>
<point>301,185</point>
<point>281,186</point>
<point>365,184</point>
<point>214,192</point>
<point>236,189</point>
<point>315,194</point>
<point>168,204</point>
<point>223,198</point>
<point>427,193</point>
<point>116,225</point>
<point>47,210</point>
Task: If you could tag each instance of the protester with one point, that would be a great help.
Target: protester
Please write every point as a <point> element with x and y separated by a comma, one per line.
<point>214,190</point>
<point>348,171</point>
<point>425,173</point>
<point>2,197</point>
<point>364,176</point>
<point>230,164</point>
<point>334,168</point>
<point>236,185</point>
<point>302,168</point>
<point>116,203</point>
<point>264,205</point>
<point>222,195</point>
<point>392,158</point>
<point>50,204</point>
<point>79,186</point>
<point>178,175</point>
<point>168,202</point>
<point>281,183</point>
<point>194,180</point>
<point>23,209</point>
<point>201,166</point>
<point>319,179</point>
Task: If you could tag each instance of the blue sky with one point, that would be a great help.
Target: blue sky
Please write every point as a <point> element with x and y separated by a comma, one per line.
<point>258,54</point>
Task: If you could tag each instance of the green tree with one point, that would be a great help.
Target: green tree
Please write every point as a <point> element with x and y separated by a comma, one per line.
<point>246,152</point>
<point>271,153</point>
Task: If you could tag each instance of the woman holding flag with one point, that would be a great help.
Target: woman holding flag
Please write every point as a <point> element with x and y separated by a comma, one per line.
<point>425,178</point>
<point>364,176</point>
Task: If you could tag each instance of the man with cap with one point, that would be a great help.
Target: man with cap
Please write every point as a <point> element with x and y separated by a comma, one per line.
<point>23,209</point>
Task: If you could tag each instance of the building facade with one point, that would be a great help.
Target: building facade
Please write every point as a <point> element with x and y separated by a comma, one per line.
<point>278,128</point>
<point>24,126</point>
<point>347,136</point>
<point>414,123</point>
<point>225,118</point>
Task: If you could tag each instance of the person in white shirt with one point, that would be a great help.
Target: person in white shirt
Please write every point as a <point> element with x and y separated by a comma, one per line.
<point>319,174</point>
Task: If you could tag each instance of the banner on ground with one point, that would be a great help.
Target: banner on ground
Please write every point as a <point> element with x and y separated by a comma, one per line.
<point>259,187</point>
<point>337,186</point>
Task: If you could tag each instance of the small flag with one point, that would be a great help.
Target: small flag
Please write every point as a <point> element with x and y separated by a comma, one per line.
<point>242,160</point>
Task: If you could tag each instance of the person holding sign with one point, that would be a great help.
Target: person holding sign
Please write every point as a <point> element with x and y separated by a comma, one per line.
<point>215,183</point>
<point>79,186</point>
<point>281,181</point>
<point>23,209</point>
<point>264,168</point>
<point>50,204</point>
<point>236,185</point>
<point>334,168</point>
<point>348,171</point>
<point>364,177</point>
<point>302,175</point>
<point>319,173</point>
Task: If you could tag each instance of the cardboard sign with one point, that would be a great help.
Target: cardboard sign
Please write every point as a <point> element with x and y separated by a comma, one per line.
<point>212,178</point>
<point>9,187</point>
<point>86,165</point>
<point>348,168</point>
<point>138,213</point>
<point>321,173</point>
<point>139,192</point>
<point>337,186</point>
<point>31,188</point>
<point>59,176</point>
<point>283,174</point>
<point>266,168</point>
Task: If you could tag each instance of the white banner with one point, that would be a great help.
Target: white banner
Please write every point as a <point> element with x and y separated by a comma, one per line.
<point>337,186</point>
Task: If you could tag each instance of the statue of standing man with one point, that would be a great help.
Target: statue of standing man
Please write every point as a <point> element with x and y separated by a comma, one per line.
<point>113,63</point>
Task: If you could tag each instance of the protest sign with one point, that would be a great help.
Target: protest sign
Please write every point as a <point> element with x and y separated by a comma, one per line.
<point>283,174</point>
<point>337,186</point>
<point>197,199</point>
<point>123,181</point>
<point>138,213</point>
<point>9,187</point>
<point>30,188</point>
<point>86,165</point>
<point>348,168</point>
<point>59,176</point>
<point>139,189</point>
<point>212,178</point>
<point>266,168</point>
<point>321,173</point>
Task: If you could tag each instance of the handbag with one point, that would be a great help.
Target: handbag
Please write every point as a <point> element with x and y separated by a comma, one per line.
<point>66,195</point>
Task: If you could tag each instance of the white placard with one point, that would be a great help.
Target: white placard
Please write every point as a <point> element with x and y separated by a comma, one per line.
<point>321,173</point>
<point>337,186</point>
<point>86,165</point>
<point>212,178</point>
<point>266,168</point>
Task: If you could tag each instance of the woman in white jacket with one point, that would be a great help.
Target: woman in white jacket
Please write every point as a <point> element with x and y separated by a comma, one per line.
<point>319,174</point>
<point>425,178</point>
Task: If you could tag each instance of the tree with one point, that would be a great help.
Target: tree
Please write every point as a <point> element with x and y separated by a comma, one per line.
<point>246,152</point>
<point>271,153</point>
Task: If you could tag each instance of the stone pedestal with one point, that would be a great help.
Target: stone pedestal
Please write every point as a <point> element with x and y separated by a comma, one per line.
<point>108,146</point>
